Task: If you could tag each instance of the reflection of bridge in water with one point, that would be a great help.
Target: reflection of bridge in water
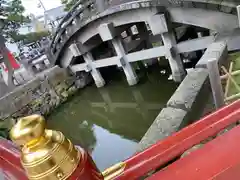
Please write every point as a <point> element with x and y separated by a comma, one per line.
<point>140,105</point>
<point>119,108</point>
<point>116,108</point>
<point>116,116</point>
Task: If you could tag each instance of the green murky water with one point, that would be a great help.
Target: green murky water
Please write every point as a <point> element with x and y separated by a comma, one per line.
<point>109,122</point>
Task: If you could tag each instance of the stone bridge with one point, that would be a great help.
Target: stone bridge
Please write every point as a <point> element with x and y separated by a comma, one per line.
<point>117,33</point>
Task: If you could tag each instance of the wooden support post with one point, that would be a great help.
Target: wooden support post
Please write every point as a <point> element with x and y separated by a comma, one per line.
<point>231,78</point>
<point>228,81</point>
<point>215,81</point>
<point>235,73</point>
<point>233,97</point>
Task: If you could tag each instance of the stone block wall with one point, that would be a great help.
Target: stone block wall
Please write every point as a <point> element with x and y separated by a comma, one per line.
<point>185,106</point>
<point>190,100</point>
<point>40,95</point>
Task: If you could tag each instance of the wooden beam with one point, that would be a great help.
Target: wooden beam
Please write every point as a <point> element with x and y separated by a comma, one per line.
<point>231,78</point>
<point>232,74</point>
<point>233,97</point>
<point>228,81</point>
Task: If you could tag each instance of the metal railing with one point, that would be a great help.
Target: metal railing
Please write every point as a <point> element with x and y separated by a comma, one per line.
<point>67,20</point>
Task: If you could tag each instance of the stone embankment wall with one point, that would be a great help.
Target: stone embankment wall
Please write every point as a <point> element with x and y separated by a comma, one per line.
<point>40,95</point>
<point>189,101</point>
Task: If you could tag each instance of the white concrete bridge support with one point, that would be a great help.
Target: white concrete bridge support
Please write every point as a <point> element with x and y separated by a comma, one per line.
<point>159,25</point>
<point>108,33</point>
<point>176,64</point>
<point>78,50</point>
<point>131,75</point>
<point>144,34</point>
<point>129,32</point>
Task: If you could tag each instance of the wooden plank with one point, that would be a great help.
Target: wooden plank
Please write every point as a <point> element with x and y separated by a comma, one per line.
<point>233,97</point>
<point>232,74</point>
<point>228,81</point>
<point>231,78</point>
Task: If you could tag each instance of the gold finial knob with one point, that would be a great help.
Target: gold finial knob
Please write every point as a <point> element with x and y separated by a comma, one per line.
<point>28,129</point>
<point>46,154</point>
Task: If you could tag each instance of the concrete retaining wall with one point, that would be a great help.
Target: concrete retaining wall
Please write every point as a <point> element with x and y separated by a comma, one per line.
<point>189,101</point>
<point>185,106</point>
<point>40,95</point>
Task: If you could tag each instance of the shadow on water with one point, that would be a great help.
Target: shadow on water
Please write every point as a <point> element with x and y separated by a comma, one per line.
<point>110,121</point>
<point>5,127</point>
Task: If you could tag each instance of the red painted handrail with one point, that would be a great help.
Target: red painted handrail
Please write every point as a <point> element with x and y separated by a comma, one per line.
<point>173,146</point>
<point>159,154</point>
<point>9,152</point>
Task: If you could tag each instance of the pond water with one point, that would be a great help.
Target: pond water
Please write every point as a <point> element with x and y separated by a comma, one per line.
<point>109,122</point>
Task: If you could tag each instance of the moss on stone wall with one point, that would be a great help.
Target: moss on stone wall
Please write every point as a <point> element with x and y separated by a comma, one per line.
<point>40,96</point>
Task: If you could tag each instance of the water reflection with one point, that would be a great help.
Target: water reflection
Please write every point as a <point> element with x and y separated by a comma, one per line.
<point>68,120</point>
<point>109,122</point>
<point>5,127</point>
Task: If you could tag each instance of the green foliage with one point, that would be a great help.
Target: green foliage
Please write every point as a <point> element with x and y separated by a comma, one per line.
<point>35,36</point>
<point>13,11</point>
<point>4,133</point>
<point>30,37</point>
<point>69,4</point>
<point>235,58</point>
<point>4,129</point>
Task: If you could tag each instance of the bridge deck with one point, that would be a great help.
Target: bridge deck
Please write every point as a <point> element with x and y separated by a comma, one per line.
<point>90,26</point>
<point>84,17</point>
<point>231,3</point>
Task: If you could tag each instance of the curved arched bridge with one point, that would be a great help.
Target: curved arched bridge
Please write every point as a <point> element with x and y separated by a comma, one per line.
<point>100,33</point>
